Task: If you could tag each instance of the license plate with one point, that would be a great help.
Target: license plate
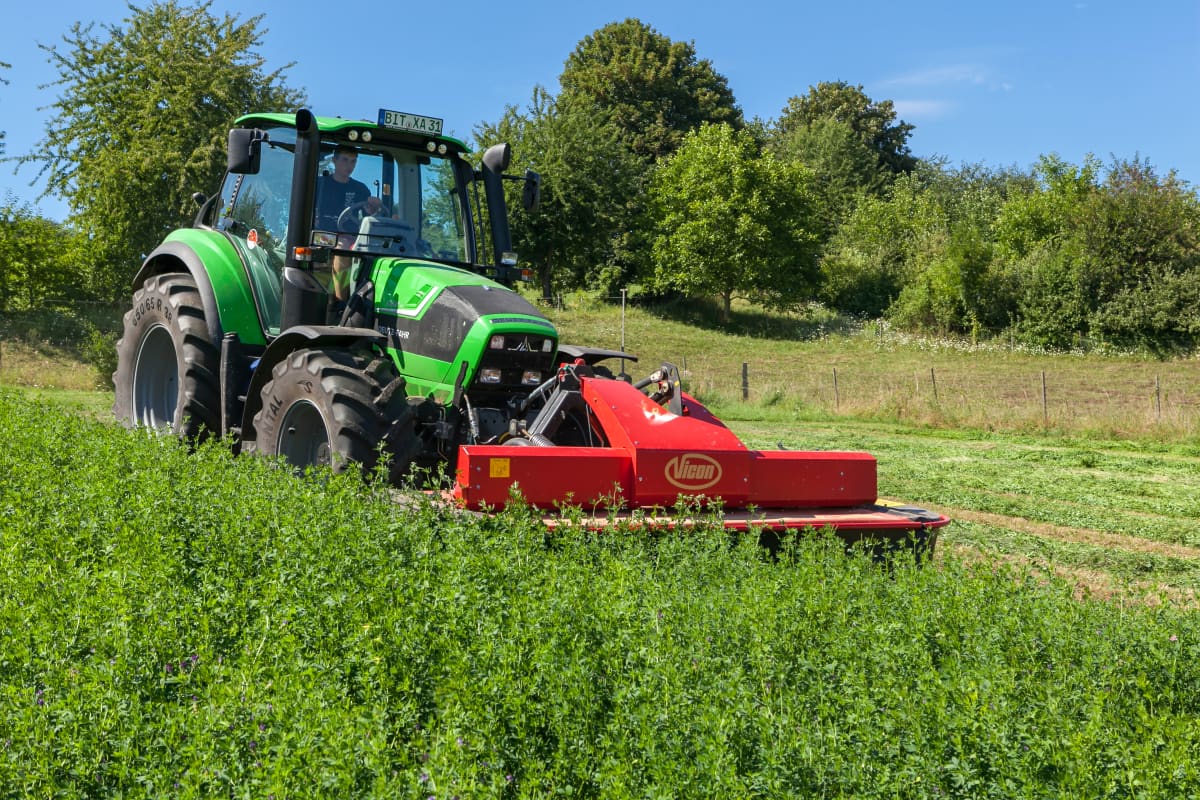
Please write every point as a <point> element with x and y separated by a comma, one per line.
<point>414,123</point>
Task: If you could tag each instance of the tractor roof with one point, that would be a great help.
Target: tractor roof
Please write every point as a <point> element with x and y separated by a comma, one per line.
<point>338,124</point>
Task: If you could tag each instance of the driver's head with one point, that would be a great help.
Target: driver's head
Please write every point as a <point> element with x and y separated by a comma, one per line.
<point>344,159</point>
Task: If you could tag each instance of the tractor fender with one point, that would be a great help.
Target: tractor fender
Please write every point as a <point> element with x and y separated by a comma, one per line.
<point>178,257</point>
<point>591,355</point>
<point>212,261</point>
<point>297,338</point>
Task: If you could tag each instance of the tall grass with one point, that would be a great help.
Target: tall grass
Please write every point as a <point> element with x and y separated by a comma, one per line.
<point>178,623</point>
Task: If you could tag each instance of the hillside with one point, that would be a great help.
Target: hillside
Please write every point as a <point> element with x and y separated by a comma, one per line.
<point>813,366</point>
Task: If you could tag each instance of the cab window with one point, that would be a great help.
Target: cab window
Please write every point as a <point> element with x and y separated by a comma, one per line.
<point>256,220</point>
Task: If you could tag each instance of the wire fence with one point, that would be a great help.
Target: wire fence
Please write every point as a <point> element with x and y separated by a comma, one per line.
<point>1117,397</point>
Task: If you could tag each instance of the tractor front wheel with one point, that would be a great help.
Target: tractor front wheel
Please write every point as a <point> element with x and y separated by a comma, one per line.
<point>167,366</point>
<point>336,408</point>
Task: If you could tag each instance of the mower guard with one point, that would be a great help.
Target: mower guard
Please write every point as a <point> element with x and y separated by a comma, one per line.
<point>656,458</point>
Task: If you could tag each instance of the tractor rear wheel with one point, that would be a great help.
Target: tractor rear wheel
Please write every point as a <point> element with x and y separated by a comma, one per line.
<point>337,407</point>
<point>167,366</point>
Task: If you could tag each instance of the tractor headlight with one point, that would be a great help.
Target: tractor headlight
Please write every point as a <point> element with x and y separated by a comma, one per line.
<point>547,345</point>
<point>489,375</point>
<point>531,377</point>
<point>496,342</point>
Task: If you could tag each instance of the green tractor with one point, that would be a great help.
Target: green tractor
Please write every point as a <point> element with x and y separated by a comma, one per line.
<point>332,304</point>
<point>329,338</point>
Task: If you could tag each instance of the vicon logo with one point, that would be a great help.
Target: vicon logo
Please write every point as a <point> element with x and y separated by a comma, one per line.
<point>693,471</point>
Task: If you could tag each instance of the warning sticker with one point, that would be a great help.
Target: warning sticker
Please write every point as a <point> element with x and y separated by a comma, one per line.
<point>499,468</point>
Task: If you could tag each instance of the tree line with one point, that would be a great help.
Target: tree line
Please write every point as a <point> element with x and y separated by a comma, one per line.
<point>653,182</point>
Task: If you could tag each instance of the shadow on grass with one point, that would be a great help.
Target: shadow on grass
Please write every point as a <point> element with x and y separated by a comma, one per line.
<point>55,330</point>
<point>807,324</point>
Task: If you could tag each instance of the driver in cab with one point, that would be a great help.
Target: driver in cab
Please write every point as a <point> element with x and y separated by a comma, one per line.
<point>335,193</point>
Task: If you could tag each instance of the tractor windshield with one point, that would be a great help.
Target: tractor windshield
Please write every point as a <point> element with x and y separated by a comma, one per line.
<point>390,201</point>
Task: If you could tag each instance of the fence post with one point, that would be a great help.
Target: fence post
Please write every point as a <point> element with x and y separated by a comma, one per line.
<point>622,330</point>
<point>1157,399</point>
<point>1045,412</point>
<point>837,397</point>
<point>745,381</point>
<point>933,380</point>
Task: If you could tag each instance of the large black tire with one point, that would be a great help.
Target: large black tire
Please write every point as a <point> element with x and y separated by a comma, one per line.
<point>337,407</point>
<point>167,364</point>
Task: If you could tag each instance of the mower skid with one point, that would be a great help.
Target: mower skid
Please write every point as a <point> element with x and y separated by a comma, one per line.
<point>877,529</point>
<point>872,521</point>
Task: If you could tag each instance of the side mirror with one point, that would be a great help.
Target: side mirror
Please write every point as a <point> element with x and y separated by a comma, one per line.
<point>496,158</point>
<point>245,150</point>
<point>531,193</point>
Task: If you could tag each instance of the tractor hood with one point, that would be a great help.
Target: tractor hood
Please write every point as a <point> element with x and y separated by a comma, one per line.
<point>438,318</point>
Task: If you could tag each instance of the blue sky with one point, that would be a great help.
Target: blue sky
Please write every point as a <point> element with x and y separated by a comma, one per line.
<point>999,83</point>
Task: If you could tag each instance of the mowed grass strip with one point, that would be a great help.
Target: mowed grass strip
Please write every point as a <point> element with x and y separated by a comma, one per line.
<point>1089,584</point>
<point>1105,512</point>
<point>1120,566</point>
<point>1097,485</point>
<point>1087,536</point>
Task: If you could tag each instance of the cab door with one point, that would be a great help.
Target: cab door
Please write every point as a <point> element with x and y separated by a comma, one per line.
<point>256,221</point>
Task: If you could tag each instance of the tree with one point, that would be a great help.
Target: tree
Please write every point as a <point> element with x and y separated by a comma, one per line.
<point>924,254</point>
<point>1116,259</point>
<point>873,123</point>
<point>141,123</point>
<point>5,82</point>
<point>652,89</point>
<point>1043,214</point>
<point>1140,241</point>
<point>729,220</point>
<point>847,169</point>
<point>37,259</point>
<point>589,188</point>
<point>876,251</point>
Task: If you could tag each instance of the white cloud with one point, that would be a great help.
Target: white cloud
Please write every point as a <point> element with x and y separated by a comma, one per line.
<point>940,76</point>
<point>967,74</point>
<point>909,109</point>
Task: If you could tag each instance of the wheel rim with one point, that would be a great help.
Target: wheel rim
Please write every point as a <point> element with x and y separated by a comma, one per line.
<point>303,438</point>
<point>156,380</point>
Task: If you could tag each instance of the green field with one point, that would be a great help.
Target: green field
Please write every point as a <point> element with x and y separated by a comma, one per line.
<point>192,624</point>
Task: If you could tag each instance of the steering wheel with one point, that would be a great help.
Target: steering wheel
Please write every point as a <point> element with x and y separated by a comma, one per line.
<point>350,220</point>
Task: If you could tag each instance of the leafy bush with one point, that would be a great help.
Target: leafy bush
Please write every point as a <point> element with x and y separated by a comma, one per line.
<point>1052,307</point>
<point>1161,315</point>
<point>100,350</point>
<point>191,624</point>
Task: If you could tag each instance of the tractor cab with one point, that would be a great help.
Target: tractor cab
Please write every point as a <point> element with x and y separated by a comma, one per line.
<point>334,198</point>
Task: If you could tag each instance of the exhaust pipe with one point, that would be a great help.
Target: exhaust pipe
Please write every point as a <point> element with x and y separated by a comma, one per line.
<point>304,301</point>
